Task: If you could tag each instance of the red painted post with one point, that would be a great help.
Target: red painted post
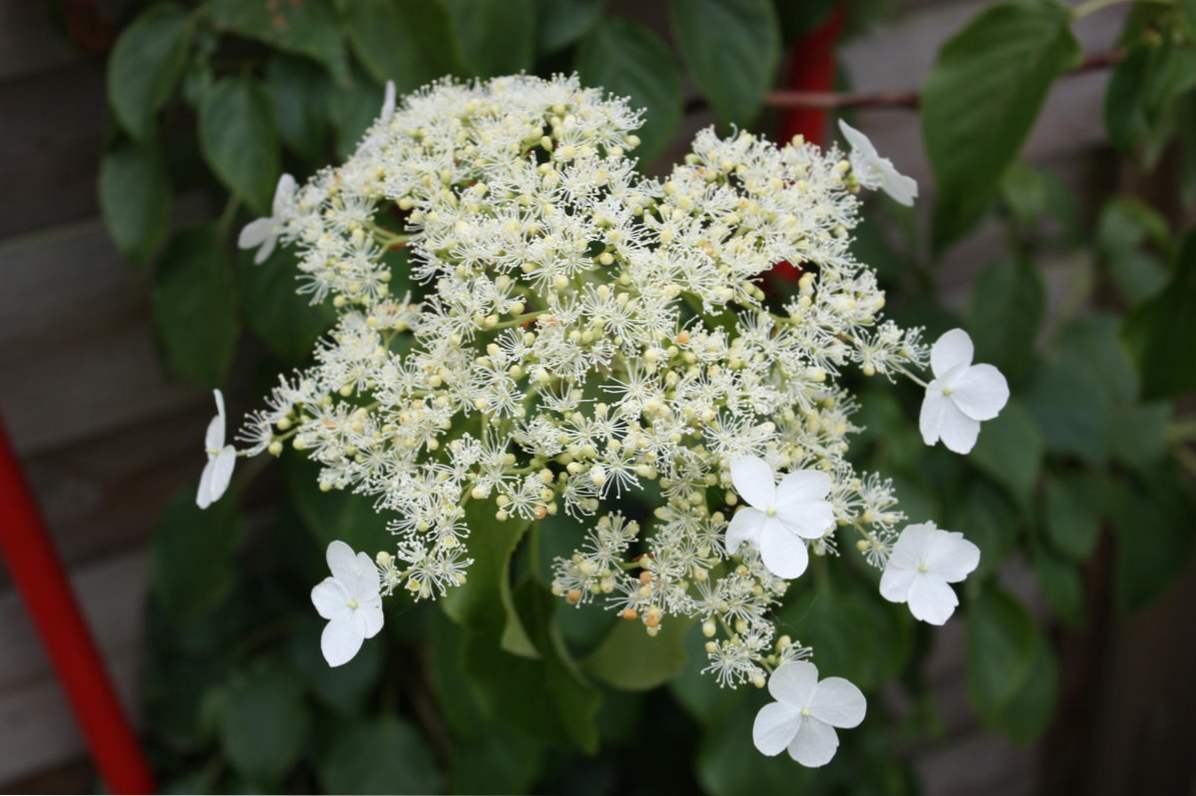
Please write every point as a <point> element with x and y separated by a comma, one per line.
<point>41,580</point>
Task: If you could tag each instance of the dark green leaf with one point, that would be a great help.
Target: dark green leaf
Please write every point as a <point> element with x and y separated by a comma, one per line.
<point>495,37</point>
<point>1140,102</point>
<point>729,765</point>
<point>485,598</point>
<point>135,199</point>
<point>1029,711</point>
<point>732,48</point>
<point>1006,665</point>
<point>1070,518</point>
<point>1006,311</point>
<point>1071,403</point>
<point>306,28</point>
<point>799,18</point>
<point>383,755</point>
<point>353,109</point>
<point>288,323</point>
<point>1010,450</point>
<point>1125,225</point>
<point>1061,585</point>
<point>981,98</point>
<point>985,516</point>
<point>1161,330</point>
<point>496,762</point>
<point>1024,189</point>
<point>697,692</point>
<point>193,554</point>
<point>627,59</point>
<point>342,688</point>
<point>299,90</point>
<point>145,66</point>
<point>336,514</point>
<point>1153,519</point>
<point>195,306</point>
<point>407,41</point>
<point>236,134</point>
<point>1139,437</point>
<point>264,723</point>
<point>632,660</point>
<point>1094,340</point>
<point>562,22</point>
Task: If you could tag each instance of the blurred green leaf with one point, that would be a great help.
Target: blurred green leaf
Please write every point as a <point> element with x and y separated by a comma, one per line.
<point>407,41</point>
<point>495,37</point>
<point>264,722</point>
<point>1070,400</point>
<point>798,19</point>
<point>135,199</point>
<point>193,554</point>
<point>699,693</point>
<point>732,49</point>
<point>382,755</point>
<point>1010,450</point>
<point>299,90</point>
<point>981,98</point>
<point>986,517</point>
<point>1006,311</point>
<point>627,59</point>
<point>729,765</point>
<point>306,28</point>
<point>1070,518</point>
<point>195,306</point>
<point>353,109</point>
<point>1094,340</point>
<point>632,660</point>
<point>562,22</point>
<point>342,688</point>
<point>1153,519</point>
<point>1024,189</point>
<point>1061,585</point>
<point>1160,331</point>
<point>236,134</point>
<point>496,762</point>
<point>336,514</point>
<point>146,64</point>
<point>1124,226</point>
<point>285,321</point>
<point>1140,101</point>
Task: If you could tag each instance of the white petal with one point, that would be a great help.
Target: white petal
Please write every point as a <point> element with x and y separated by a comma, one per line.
<point>930,419</point>
<point>371,616</point>
<point>901,188</point>
<point>782,551</point>
<point>793,683</point>
<point>932,600</point>
<point>222,471</point>
<point>804,486</point>
<point>330,599</point>
<point>839,703</point>
<point>203,495</point>
<point>265,250</point>
<point>775,728</point>
<point>340,641</point>
<point>951,350</point>
<point>388,100</point>
<point>342,562</point>
<point>213,438</point>
<point>895,583</point>
<point>953,558</point>
<point>366,579</point>
<point>959,432</point>
<point>859,142</point>
<point>980,392</point>
<point>815,744</point>
<point>754,481</point>
<point>255,233</point>
<point>914,545</point>
<point>809,520</point>
<point>745,526</point>
<point>282,194</point>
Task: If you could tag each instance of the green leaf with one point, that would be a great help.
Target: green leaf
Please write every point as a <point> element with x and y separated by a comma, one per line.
<point>1095,340</point>
<point>407,41</point>
<point>986,517</point>
<point>1010,450</point>
<point>723,766</point>
<point>1006,311</point>
<point>485,597</point>
<point>1153,519</point>
<point>299,90</point>
<point>732,49</point>
<point>1161,330</point>
<point>135,199</point>
<point>195,306</point>
<point>382,755</point>
<point>562,22</point>
<point>345,688</point>
<point>632,660</point>
<point>193,555</point>
<point>627,59</point>
<point>496,762</point>
<point>306,28</point>
<point>1070,401</point>
<point>981,98</point>
<point>353,109</point>
<point>335,514</point>
<point>698,693</point>
<point>1070,517</point>
<point>495,37</point>
<point>1024,189</point>
<point>798,19</point>
<point>1125,225</point>
<point>236,134</point>
<point>1139,437</point>
<point>1140,103</point>
<point>288,323</point>
<point>145,66</point>
<point>264,723</point>
<point>1061,585</point>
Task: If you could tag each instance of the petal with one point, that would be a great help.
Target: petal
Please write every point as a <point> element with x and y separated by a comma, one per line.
<point>203,495</point>
<point>980,392</point>
<point>959,431</point>
<point>783,552</point>
<point>745,526</point>
<point>366,580</point>
<point>342,561</point>
<point>815,744</point>
<point>895,583</point>
<point>901,188</point>
<point>282,194</point>
<point>914,545</point>
<point>330,598</point>
<point>793,683</point>
<point>932,600</point>
<point>951,350</point>
<point>388,100</point>
<point>222,471</point>
<point>775,728</point>
<point>265,250</point>
<point>859,142</point>
<point>839,703</point>
<point>371,616</point>
<point>213,438</point>
<point>754,481</point>
<point>255,233</point>
<point>953,558</point>
<point>804,486</point>
<point>809,520</point>
<point>930,419</point>
<point>340,641</point>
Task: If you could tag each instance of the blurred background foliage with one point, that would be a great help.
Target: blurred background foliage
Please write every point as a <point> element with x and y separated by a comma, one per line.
<point>503,689</point>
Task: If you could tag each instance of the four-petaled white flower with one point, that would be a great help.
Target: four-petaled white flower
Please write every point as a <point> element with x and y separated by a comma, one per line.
<point>350,601</point>
<point>924,560</point>
<point>806,713</point>
<point>872,171</point>
<point>960,395</point>
<point>262,233</point>
<point>221,459</point>
<point>779,518</point>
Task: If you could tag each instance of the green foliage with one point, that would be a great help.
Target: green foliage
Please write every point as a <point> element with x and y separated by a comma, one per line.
<point>192,555</point>
<point>135,199</point>
<point>288,323</point>
<point>495,37</point>
<point>407,41</point>
<point>145,66</point>
<point>1010,450</point>
<point>308,28</point>
<point>562,22</point>
<point>236,132</point>
<point>981,98</point>
<point>1006,311</point>
<point>629,659</point>
<point>334,514</point>
<point>1153,519</point>
<point>264,723</point>
<point>1161,330</point>
<point>384,755</point>
<point>299,92</point>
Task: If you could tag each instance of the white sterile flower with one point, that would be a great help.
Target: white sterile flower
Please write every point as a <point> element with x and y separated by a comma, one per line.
<point>221,459</point>
<point>388,101</point>
<point>350,601</point>
<point>262,233</point>
<point>779,518</point>
<point>872,171</point>
<point>924,560</point>
<point>804,717</point>
<point>960,395</point>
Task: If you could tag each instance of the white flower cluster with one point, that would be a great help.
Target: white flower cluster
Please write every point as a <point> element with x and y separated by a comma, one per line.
<point>581,331</point>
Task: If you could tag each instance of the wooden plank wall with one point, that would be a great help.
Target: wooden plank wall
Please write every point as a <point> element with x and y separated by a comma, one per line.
<point>106,437</point>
